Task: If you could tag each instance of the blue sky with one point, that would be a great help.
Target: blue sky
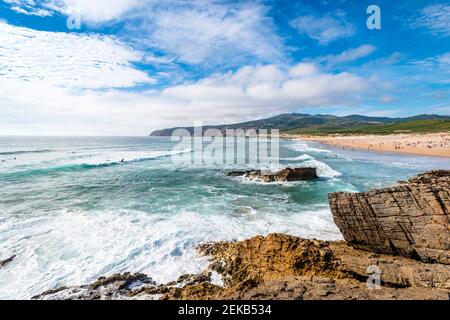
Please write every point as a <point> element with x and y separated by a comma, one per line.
<point>137,65</point>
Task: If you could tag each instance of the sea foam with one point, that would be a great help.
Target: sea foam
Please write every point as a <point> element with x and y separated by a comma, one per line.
<point>73,248</point>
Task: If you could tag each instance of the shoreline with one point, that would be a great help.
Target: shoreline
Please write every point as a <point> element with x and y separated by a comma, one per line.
<point>432,145</point>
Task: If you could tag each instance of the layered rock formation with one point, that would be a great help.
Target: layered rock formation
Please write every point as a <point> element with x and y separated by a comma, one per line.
<point>411,219</point>
<point>287,267</point>
<point>288,174</point>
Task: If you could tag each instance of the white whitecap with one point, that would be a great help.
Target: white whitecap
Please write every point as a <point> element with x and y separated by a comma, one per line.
<point>304,147</point>
<point>73,248</point>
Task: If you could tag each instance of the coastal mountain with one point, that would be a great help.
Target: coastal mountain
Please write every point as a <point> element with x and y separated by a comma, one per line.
<point>297,123</point>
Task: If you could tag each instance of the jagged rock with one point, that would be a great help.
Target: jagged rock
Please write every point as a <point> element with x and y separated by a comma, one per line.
<point>288,174</point>
<point>411,219</point>
<point>134,287</point>
<point>286,267</point>
<point>4,263</point>
<point>117,287</point>
<point>190,287</point>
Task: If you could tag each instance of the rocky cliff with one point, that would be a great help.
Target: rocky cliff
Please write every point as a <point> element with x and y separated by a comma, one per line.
<point>411,219</point>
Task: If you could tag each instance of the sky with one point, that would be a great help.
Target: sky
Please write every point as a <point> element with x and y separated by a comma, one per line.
<point>128,67</point>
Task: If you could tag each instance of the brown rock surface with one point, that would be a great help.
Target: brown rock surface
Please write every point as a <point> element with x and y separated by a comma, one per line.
<point>286,267</point>
<point>411,219</point>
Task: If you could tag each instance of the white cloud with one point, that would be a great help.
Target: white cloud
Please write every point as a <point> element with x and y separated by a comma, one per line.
<point>91,11</point>
<point>324,29</point>
<point>437,63</point>
<point>49,81</point>
<point>434,17</point>
<point>28,7</point>
<point>33,12</point>
<point>269,86</point>
<point>444,60</point>
<point>98,11</point>
<point>431,70</point>
<point>195,32</point>
<point>68,60</point>
<point>393,59</point>
<point>348,55</point>
<point>249,93</point>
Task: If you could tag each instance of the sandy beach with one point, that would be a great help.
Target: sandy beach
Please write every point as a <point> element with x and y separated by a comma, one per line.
<point>433,144</point>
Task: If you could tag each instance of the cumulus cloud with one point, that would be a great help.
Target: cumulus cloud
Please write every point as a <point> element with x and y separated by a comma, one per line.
<point>269,86</point>
<point>68,60</point>
<point>248,93</point>
<point>97,11</point>
<point>62,72</point>
<point>324,29</point>
<point>434,17</point>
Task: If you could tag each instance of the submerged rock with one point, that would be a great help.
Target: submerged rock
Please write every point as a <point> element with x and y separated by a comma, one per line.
<point>285,175</point>
<point>4,263</point>
<point>411,219</point>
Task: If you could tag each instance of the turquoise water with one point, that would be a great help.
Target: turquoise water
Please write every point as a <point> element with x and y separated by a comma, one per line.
<point>71,210</point>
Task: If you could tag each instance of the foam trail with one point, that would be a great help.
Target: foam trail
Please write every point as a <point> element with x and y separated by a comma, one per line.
<point>73,248</point>
<point>92,162</point>
<point>303,147</point>
<point>299,158</point>
<point>323,169</point>
<point>18,152</point>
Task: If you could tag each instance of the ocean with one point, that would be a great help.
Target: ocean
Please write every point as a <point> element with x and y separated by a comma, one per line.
<point>75,209</point>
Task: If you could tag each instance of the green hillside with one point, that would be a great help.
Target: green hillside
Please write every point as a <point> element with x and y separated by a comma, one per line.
<point>418,126</point>
<point>296,123</point>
